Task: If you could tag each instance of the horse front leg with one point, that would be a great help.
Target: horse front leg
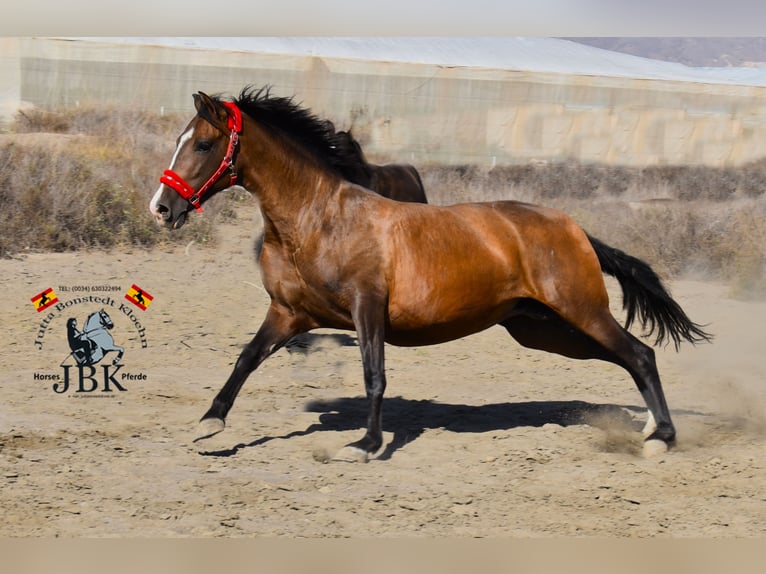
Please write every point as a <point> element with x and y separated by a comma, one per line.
<point>369,319</point>
<point>277,328</point>
<point>120,351</point>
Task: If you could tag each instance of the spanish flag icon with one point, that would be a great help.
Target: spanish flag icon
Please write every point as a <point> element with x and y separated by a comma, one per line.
<point>43,300</point>
<point>139,297</point>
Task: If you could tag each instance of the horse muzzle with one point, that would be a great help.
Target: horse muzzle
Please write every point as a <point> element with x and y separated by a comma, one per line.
<point>166,218</point>
<point>180,220</point>
<point>163,212</point>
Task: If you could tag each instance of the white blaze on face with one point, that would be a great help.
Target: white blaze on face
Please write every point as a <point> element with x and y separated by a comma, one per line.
<point>155,200</point>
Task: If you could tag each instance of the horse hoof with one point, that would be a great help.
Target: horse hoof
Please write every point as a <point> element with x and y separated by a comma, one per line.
<point>209,427</point>
<point>351,454</point>
<point>654,447</point>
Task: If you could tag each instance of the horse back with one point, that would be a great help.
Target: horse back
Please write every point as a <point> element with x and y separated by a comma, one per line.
<point>468,265</point>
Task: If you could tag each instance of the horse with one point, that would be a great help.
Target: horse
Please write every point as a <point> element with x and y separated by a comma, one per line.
<point>91,344</point>
<point>399,181</point>
<point>339,256</point>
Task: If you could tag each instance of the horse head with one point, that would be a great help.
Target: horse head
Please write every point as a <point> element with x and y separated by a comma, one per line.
<point>204,152</point>
<point>106,320</point>
<point>98,319</point>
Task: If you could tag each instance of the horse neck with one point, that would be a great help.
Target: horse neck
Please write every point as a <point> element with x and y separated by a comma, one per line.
<point>363,174</point>
<point>287,181</point>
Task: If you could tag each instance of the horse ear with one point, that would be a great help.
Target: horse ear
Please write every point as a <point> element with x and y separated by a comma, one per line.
<point>203,102</point>
<point>211,110</point>
<point>202,99</point>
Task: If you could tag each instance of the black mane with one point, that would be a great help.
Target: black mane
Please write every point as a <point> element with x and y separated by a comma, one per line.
<point>300,124</point>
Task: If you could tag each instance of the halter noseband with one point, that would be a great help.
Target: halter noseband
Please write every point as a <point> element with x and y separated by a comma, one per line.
<point>182,187</point>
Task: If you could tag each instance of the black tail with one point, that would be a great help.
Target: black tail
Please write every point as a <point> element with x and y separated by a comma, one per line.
<point>645,297</point>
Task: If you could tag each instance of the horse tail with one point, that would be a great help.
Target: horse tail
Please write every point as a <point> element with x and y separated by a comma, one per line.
<point>646,298</point>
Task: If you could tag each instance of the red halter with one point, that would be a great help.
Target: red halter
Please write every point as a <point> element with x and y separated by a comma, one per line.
<point>182,187</point>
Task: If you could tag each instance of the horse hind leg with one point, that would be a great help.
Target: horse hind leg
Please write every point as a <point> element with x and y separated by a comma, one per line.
<point>542,328</point>
<point>368,315</point>
<point>639,360</point>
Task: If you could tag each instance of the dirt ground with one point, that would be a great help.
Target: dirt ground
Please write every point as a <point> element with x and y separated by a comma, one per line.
<point>483,438</point>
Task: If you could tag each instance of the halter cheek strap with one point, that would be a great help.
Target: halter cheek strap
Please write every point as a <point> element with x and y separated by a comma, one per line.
<point>182,187</point>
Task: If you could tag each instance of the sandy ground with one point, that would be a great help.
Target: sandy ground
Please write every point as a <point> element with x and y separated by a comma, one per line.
<point>483,438</point>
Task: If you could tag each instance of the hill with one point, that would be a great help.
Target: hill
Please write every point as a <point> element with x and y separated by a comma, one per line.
<point>694,51</point>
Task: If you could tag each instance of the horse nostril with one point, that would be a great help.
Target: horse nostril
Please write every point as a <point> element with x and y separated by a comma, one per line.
<point>163,211</point>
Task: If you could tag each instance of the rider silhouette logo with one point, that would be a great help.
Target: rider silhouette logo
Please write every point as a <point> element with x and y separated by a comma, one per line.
<point>91,344</point>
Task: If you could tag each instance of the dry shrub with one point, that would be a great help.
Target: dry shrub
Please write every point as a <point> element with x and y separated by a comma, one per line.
<point>742,251</point>
<point>692,182</point>
<point>86,181</point>
<point>753,179</point>
<point>83,178</point>
<point>453,184</point>
<point>568,180</point>
<point>693,239</point>
<point>41,121</point>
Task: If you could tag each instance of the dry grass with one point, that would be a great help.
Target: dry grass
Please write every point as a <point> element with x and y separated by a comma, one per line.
<point>83,179</point>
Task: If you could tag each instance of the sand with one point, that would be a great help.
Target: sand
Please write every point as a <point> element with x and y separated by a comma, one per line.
<point>483,438</point>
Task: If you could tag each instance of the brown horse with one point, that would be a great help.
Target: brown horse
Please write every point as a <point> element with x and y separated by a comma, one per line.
<point>336,255</point>
<point>399,181</point>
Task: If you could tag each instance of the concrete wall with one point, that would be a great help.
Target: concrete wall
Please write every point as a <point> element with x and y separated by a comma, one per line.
<point>413,112</point>
<point>10,79</point>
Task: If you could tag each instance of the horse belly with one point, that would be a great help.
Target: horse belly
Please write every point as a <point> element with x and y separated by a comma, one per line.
<point>432,335</point>
<point>443,311</point>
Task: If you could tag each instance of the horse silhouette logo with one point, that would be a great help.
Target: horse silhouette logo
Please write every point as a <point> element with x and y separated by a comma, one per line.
<point>91,344</point>
<point>139,297</point>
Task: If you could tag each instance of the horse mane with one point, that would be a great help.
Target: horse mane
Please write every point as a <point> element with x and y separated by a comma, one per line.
<point>316,135</point>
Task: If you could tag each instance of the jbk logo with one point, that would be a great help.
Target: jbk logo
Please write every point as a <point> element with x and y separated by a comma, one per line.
<point>93,364</point>
<point>87,379</point>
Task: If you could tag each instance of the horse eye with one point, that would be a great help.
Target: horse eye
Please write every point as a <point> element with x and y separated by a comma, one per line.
<point>203,146</point>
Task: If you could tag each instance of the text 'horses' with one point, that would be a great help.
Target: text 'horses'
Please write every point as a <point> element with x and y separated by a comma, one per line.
<point>336,255</point>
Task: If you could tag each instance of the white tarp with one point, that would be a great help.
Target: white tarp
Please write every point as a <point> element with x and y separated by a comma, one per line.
<point>502,53</point>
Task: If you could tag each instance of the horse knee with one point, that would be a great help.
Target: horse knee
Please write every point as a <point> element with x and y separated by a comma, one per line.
<point>249,358</point>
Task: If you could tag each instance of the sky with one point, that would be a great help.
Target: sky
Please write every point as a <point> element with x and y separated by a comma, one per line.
<point>390,17</point>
